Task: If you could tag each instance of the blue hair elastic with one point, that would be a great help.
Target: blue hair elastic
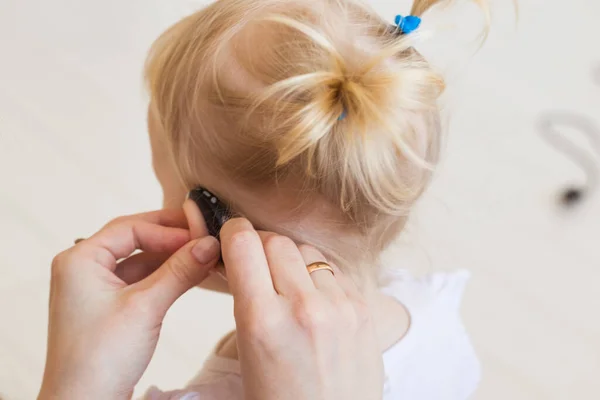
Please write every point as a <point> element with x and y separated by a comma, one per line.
<point>408,24</point>
<point>343,115</point>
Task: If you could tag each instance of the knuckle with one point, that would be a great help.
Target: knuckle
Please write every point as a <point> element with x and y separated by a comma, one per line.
<point>312,316</point>
<point>234,226</point>
<point>179,269</point>
<point>243,238</point>
<point>61,263</point>
<point>264,325</point>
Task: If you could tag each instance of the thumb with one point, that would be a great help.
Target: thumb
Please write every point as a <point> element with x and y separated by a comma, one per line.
<point>188,267</point>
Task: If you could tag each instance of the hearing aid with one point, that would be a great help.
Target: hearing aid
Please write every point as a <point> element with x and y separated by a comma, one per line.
<point>214,211</point>
<point>215,214</point>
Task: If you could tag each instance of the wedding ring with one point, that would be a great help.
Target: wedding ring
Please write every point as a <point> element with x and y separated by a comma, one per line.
<point>319,266</point>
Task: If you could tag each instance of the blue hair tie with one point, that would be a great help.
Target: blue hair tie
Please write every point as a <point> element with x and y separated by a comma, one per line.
<point>408,24</point>
<point>343,115</point>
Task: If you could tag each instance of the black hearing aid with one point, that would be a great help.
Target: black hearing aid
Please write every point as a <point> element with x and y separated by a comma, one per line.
<point>214,211</point>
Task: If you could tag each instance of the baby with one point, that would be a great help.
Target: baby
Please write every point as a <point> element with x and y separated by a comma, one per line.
<point>318,120</point>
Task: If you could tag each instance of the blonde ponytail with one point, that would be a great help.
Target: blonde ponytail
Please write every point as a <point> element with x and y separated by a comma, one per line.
<point>323,93</point>
<point>419,7</point>
<point>357,118</point>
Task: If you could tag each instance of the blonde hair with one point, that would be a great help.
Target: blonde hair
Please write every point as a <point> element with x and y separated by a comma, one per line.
<point>323,92</point>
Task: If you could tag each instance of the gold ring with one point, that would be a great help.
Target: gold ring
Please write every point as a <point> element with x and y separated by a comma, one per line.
<point>319,266</point>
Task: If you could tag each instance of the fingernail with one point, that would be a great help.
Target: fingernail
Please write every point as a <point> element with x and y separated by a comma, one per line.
<point>206,250</point>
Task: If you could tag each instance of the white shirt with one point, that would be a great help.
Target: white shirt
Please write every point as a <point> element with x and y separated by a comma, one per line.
<point>434,361</point>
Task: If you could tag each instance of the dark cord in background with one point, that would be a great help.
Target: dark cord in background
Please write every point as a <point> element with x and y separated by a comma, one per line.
<point>549,127</point>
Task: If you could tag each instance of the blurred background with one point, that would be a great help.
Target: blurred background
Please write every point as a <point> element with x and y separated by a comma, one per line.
<point>74,154</point>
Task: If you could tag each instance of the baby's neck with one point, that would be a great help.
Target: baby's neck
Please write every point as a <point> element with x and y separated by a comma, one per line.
<point>391,319</point>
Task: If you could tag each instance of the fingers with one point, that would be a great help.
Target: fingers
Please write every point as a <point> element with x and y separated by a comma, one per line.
<point>174,218</point>
<point>245,261</point>
<point>185,269</point>
<point>120,240</point>
<point>195,219</point>
<point>288,268</point>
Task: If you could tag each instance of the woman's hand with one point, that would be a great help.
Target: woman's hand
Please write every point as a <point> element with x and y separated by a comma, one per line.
<point>300,336</point>
<point>107,307</point>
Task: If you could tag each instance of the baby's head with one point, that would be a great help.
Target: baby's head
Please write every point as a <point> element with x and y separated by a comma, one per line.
<point>315,119</point>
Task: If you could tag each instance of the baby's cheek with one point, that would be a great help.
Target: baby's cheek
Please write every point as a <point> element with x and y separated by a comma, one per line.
<point>174,193</point>
<point>173,198</point>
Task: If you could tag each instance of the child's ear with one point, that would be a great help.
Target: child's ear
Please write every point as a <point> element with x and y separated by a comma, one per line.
<point>195,219</point>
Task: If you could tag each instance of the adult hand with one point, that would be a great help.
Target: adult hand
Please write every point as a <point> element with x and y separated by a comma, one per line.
<point>107,307</point>
<point>300,336</point>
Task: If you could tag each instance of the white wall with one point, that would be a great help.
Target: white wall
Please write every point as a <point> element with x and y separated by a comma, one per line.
<point>73,154</point>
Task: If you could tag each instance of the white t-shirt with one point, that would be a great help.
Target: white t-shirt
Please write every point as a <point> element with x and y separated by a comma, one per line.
<point>434,361</point>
